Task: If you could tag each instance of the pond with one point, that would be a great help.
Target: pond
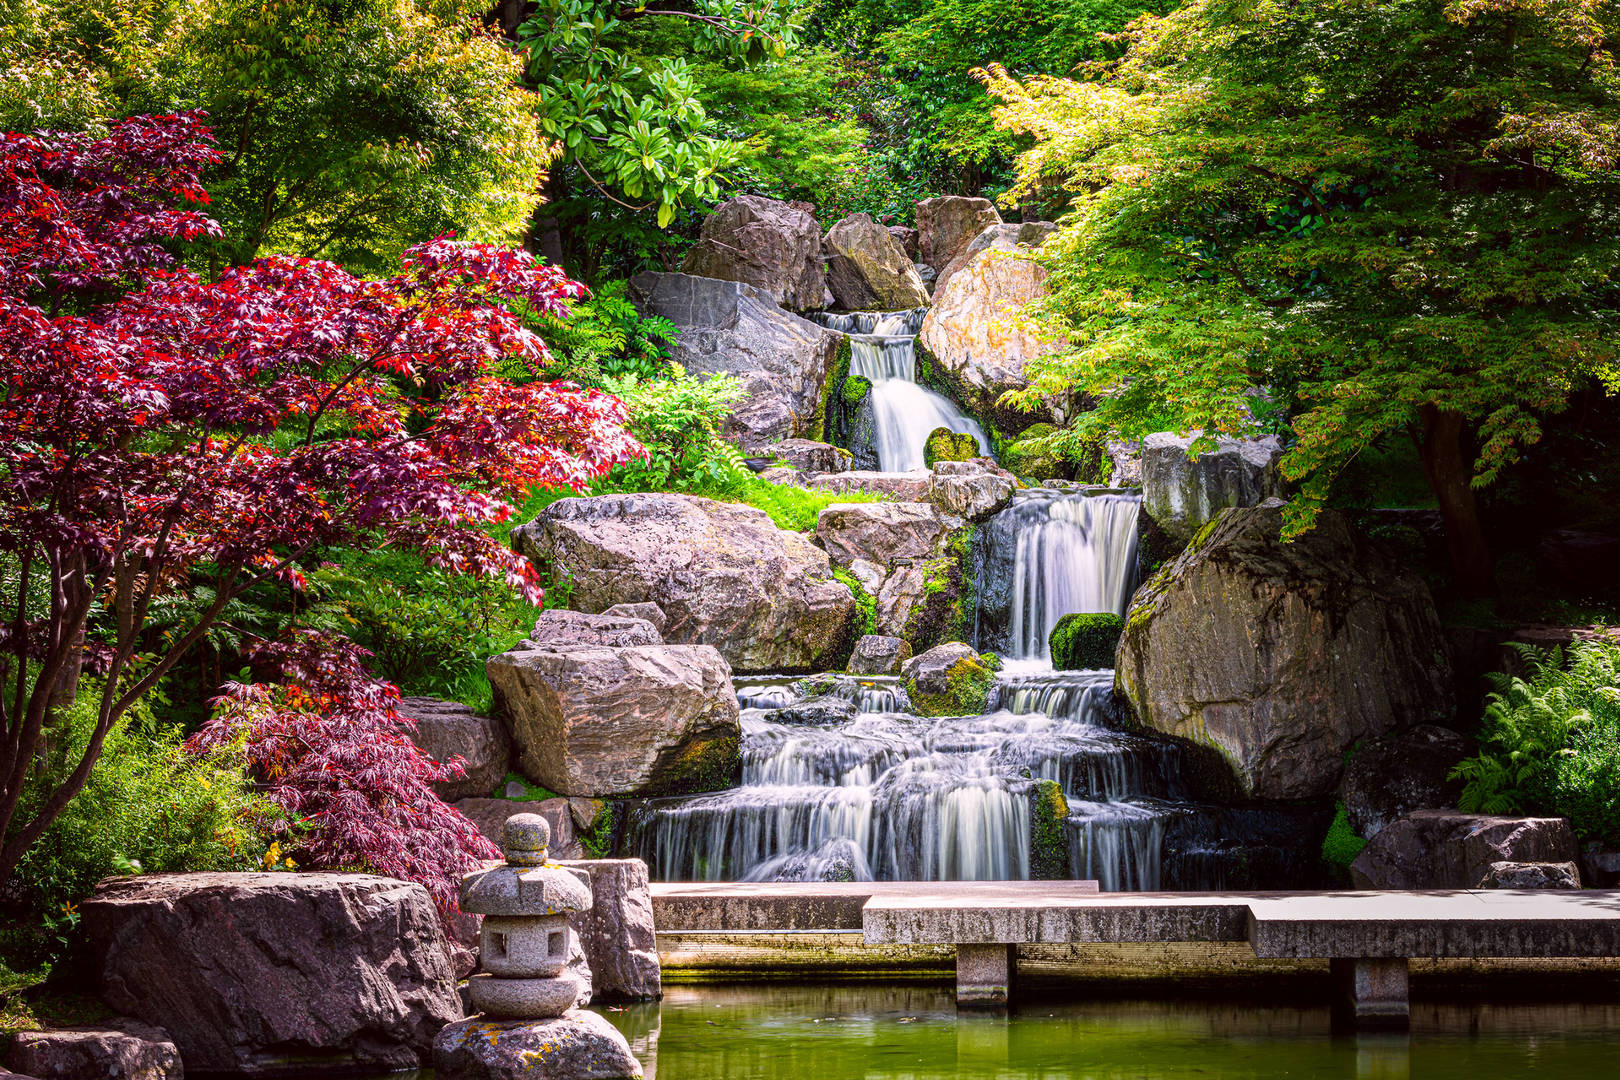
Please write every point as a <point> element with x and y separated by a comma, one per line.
<point>844,1032</point>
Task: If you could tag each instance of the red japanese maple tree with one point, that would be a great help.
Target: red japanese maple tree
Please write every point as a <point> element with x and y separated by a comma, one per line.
<point>159,431</point>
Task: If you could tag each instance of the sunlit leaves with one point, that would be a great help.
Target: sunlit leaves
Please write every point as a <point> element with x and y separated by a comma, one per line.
<point>633,124</point>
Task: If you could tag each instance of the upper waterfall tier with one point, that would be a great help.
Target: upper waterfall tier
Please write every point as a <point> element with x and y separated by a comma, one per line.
<point>883,350</point>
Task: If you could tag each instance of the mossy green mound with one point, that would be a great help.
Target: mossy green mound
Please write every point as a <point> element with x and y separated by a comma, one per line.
<point>1085,641</point>
<point>946,445</point>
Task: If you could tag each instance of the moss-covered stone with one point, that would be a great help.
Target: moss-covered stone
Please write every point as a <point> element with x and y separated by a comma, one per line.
<point>831,410</point>
<point>1048,846</point>
<point>1032,462</point>
<point>1085,641</point>
<point>946,610</point>
<point>711,763</point>
<point>967,688</point>
<point>943,444</point>
<point>854,390</point>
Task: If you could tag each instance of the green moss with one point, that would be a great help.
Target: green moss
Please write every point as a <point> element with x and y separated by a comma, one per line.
<point>829,418</point>
<point>705,763</point>
<point>947,610</point>
<point>865,603</point>
<point>967,688</point>
<point>1085,640</point>
<point>1341,845</point>
<point>854,390</point>
<point>598,839</point>
<point>943,444</point>
<point>531,792</point>
<point>1048,846</point>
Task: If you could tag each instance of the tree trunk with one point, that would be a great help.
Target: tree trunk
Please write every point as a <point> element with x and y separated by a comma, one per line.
<point>1441,449</point>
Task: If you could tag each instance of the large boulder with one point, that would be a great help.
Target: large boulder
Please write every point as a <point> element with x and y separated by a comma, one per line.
<point>120,1050</point>
<point>577,1045</point>
<point>971,489</point>
<point>1182,493</point>
<point>264,973</point>
<point>928,671</point>
<point>1010,237</point>
<point>867,270</point>
<point>1393,775</point>
<point>974,331</point>
<point>723,574</point>
<point>1444,849</point>
<point>810,456</point>
<point>948,223</point>
<point>617,931</point>
<point>599,721</point>
<point>906,237</point>
<point>771,245</point>
<point>732,328</point>
<point>448,729</point>
<point>879,532</point>
<point>1283,655</point>
<point>564,628</point>
<point>878,654</point>
<point>907,486</point>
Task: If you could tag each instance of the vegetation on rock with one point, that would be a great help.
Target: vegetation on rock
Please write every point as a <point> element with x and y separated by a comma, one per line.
<point>1085,641</point>
<point>946,445</point>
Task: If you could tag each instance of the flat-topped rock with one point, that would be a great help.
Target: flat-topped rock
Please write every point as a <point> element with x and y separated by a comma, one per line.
<point>906,486</point>
<point>578,1045</point>
<point>1445,849</point>
<point>879,532</point>
<point>560,628</point>
<point>116,1050</point>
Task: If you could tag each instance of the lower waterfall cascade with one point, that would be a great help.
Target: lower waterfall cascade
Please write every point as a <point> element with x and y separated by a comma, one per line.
<point>883,350</point>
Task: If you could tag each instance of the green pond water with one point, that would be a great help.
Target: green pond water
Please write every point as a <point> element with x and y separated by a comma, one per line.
<point>778,1032</point>
<point>863,1031</point>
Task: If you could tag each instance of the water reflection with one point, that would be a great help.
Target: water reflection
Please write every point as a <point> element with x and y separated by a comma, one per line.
<point>778,1032</point>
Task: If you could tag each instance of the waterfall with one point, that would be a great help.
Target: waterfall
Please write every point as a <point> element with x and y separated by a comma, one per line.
<point>882,349</point>
<point>1052,553</point>
<point>841,781</point>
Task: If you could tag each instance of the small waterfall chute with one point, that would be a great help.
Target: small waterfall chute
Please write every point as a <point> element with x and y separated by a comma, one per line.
<point>883,350</point>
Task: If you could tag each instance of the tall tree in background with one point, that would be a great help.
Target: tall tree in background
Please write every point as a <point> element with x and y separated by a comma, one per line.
<point>347,131</point>
<point>1401,215</point>
<point>631,123</point>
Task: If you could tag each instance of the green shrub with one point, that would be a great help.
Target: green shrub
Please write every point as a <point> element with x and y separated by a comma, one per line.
<point>149,806</point>
<point>1085,641</point>
<point>1550,744</point>
<point>429,631</point>
<point>943,444</point>
<point>1341,845</point>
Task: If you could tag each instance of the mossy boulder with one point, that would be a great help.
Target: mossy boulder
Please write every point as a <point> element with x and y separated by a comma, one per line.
<point>1033,462</point>
<point>950,680</point>
<point>946,445</point>
<point>1281,654</point>
<point>1085,641</point>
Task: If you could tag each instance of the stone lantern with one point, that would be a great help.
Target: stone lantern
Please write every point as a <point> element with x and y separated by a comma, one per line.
<point>523,945</point>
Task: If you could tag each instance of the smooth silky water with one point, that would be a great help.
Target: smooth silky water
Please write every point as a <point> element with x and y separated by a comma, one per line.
<point>868,1032</point>
<point>883,350</point>
<point>842,782</point>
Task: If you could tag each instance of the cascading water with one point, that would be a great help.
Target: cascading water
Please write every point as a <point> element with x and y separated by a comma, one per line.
<point>883,350</point>
<point>1052,553</point>
<point>841,781</point>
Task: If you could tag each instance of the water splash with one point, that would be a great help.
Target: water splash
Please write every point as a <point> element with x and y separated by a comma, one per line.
<point>882,349</point>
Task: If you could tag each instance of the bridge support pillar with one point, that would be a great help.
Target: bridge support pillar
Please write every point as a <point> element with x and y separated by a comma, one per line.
<point>1371,993</point>
<point>984,975</point>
